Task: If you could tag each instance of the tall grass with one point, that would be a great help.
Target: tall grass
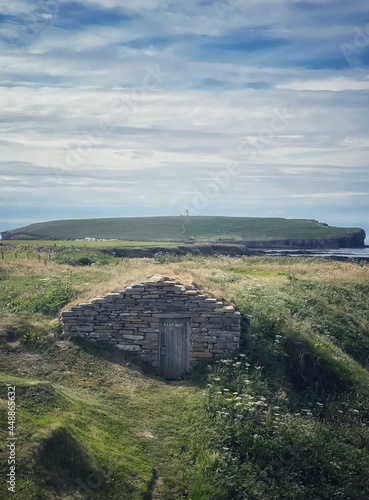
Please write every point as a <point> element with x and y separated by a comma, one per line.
<point>286,418</point>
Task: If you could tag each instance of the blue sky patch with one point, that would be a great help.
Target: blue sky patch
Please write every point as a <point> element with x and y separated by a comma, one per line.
<point>74,14</point>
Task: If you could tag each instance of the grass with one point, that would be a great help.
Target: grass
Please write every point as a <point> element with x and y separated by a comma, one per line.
<point>287,418</point>
<point>33,245</point>
<point>180,229</point>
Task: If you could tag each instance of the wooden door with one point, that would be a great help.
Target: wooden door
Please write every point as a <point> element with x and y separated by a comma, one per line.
<point>174,347</point>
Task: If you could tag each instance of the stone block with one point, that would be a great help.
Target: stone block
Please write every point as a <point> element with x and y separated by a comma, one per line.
<point>228,321</point>
<point>150,346</point>
<point>196,345</point>
<point>203,319</point>
<point>69,314</point>
<point>128,347</point>
<point>86,328</point>
<point>152,337</point>
<point>207,305</point>
<point>217,332</point>
<point>204,339</point>
<point>204,355</point>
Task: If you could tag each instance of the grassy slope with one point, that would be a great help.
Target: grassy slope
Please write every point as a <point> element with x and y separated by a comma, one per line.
<point>87,418</point>
<point>178,229</point>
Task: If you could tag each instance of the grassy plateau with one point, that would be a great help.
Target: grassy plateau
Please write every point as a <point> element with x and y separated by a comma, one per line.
<point>181,228</point>
<point>287,417</point>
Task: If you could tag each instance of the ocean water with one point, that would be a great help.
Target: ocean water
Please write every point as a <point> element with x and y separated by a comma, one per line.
<point>354,253</point>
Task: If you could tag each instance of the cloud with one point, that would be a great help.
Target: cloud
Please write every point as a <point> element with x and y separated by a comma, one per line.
<point>339,84</point>
<point>262,84</point>
<point>346,194</point>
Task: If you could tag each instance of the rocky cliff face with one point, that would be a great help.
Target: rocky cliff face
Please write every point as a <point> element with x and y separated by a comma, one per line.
<point>355,240</point>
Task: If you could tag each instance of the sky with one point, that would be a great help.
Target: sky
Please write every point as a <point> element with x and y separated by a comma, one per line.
<point>153,107</point>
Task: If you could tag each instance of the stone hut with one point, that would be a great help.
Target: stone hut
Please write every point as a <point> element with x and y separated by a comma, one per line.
<point>167,323</point>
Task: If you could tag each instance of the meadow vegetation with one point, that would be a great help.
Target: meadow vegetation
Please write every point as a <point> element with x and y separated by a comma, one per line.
<point>180,228</point>
<point>287,417</point>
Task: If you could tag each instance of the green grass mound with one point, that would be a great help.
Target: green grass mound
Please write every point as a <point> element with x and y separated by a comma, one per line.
<point>180,228</point>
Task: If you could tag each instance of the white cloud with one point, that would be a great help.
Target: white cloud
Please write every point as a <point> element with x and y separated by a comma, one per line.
<point>338,84</point>
<point>345,194</point>
<point>207,112</point>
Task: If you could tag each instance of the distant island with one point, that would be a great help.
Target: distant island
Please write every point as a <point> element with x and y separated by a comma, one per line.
<point>252,232</point>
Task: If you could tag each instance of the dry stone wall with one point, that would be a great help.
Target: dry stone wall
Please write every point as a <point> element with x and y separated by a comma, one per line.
<point>130,319</point>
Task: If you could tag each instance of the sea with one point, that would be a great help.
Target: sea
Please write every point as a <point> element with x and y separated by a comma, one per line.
<point>337,253</point>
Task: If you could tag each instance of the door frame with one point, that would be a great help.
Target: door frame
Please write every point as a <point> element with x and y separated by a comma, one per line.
<point>186,318</point>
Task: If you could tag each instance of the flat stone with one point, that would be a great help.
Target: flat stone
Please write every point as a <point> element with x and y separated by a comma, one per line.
<point>204,339</point>
<point>201,355</point>
<point>86,328</point>
<point>128,347</point>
